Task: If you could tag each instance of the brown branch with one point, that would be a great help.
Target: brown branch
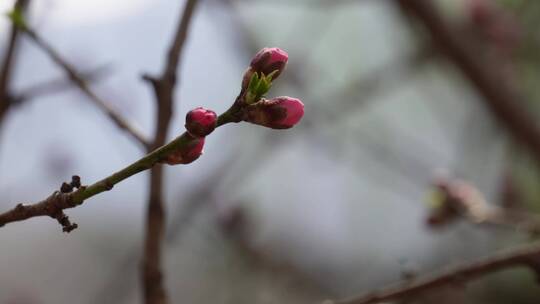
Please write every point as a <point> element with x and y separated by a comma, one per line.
<point>527,256</point>
<point>76,198</point>
<point>152,276</point>
<point>505,103</point>
<point>8,61</point>
<point>79,81</point>
<point>52,206</point>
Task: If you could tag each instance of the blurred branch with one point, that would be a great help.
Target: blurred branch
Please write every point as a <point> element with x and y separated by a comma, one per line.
<point>505,103</point>
<point>385,78</point>
<point>79,81</point>
<point>8,61</point>
<point>115,287</point>
<point>526,256</point>
<point>56,85</point>
<point>164,87</point>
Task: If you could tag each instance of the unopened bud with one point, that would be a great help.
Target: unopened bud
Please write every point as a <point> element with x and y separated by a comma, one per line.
<point>187,154</point>
<point>266,61</point>
<point>277,113</point>
<point>201,122</point>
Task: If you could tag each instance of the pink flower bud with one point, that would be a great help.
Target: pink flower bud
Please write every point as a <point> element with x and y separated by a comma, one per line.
<point>200,122</point>
<point>277,113</point>
<point>187,154</point>
<point>266,61</point>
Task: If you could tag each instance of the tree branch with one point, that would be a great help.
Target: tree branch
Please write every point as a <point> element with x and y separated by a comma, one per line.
<point>7,62</point>
<point>79,81</point>
<point>152,276</point>
<point>60,201</point>
<point>527,256</point>
<point>505,103</point>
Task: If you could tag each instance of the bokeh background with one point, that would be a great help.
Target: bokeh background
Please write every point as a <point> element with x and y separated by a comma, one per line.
<point>331,208</point>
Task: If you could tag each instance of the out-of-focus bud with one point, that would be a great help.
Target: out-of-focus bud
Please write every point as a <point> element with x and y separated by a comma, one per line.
<point>455,198</point>
<point>266,61</point>
<point>496,24</point>
<point>277,113</point>
<point>188,154</point>
<point>201,122</point>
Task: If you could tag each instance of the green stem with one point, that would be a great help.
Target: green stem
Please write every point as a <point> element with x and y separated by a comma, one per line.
<point>233,114</point>
<point>144,163</point>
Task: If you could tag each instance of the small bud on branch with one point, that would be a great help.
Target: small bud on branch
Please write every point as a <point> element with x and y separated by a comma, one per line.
<point>187,154</point>
<point>201,122</point>
<point>277,113</point>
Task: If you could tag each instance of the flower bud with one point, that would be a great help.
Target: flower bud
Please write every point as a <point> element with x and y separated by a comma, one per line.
<point>266,61</point>
<point>187,154</point>
<point>201,122</point>
<point>277,113</point>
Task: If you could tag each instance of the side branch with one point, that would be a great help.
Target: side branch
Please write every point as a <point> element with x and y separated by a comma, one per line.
<point>79,81</point>
<point>527,256</point>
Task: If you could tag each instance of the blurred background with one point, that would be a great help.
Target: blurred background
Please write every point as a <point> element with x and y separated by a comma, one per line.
<point>332,208</point>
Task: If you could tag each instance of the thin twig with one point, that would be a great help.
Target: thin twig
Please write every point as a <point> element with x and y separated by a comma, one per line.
<point>164,87</point>
<point>505,103</point>
<point>527,256</point>
<point>8,60</point>
<point>79,81</point>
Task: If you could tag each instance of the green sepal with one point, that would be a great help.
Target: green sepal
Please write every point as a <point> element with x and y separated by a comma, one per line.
<point>253,82</point>
<point>271,75</point>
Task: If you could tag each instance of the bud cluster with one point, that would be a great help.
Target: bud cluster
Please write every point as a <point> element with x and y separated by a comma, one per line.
<point>276,113</point>
<point>251,106</point>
